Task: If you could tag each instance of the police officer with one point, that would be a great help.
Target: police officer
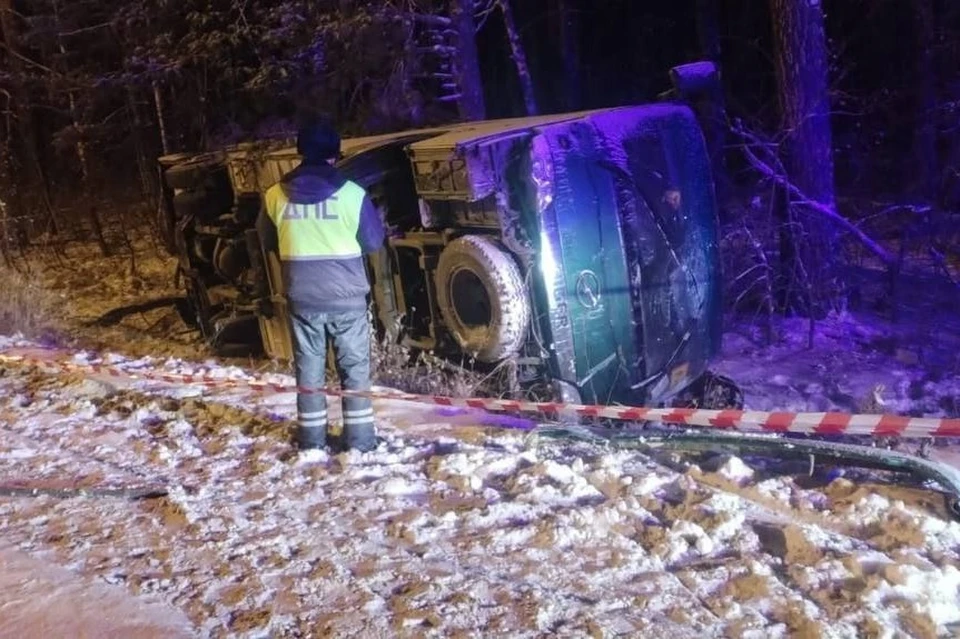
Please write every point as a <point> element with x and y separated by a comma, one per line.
<point>322,224</point>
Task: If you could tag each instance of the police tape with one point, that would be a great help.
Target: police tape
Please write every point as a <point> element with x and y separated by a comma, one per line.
<point>822,423</point>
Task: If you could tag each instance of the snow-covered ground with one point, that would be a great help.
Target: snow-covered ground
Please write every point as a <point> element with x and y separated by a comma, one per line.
<point>454,527</point>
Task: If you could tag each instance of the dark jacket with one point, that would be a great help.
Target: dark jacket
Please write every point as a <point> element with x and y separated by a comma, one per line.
<point>324,285</point>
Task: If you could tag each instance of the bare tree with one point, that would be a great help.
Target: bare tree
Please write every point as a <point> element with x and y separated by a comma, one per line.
<point>519,56</point>
<point>810,248</point>
<point>161,118</point>
<point>16,62</point>
<point>712,105</point>
<point>467,71</point>
<point>708,29</point>
<point>925,164</point>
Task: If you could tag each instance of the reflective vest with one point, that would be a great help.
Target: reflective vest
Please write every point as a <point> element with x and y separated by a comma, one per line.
<point>324,230</point>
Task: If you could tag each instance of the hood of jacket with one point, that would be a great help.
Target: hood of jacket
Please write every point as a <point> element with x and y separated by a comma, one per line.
<point>309,184</point>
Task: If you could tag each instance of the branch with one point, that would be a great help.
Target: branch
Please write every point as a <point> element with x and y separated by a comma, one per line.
<point>941,261</point>
<point>430,20</point>
<point>29,61</point>
<point>93,27</point>
<point>826,211</point>
<point>482,15</point>
<point>895,208</point>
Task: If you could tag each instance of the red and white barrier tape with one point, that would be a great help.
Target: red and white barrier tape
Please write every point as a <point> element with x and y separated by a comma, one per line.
<point>776,422</point>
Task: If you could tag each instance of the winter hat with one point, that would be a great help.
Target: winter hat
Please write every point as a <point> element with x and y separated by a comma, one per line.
<point>318,141</point>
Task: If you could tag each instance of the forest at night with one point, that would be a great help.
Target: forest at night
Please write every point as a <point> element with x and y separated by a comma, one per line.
<point>95,91</point>
<point>662,323</point>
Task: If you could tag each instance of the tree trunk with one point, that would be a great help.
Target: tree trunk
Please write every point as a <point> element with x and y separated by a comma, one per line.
<point>947,63</point>
<point>708,29</point>
<point>715,118</point>
<point>98,230</point>
<point>72,99</point>
<point>8,183</point>
<point>519,58</point>
<point>147,186</point>
<point>161,119</point>
<point>801,61</point>
<point>925,160</point>
<point>80,145</point>
<point>467,72</point>
<point>569,17</point>
<point>8,180</point>
<point>24,117</point>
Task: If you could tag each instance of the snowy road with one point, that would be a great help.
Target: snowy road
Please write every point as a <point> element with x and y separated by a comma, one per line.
<point>450,529</point>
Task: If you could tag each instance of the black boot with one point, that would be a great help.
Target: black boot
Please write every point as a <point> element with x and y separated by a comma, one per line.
<point>311,438</point>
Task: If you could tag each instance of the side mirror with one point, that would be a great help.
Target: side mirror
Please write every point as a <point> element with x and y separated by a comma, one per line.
<point>695,80</point>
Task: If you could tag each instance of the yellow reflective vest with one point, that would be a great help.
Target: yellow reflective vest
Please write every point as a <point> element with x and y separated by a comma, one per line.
<point>319,231</point>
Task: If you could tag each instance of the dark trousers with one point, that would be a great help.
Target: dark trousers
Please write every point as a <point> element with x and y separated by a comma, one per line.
<point>349,334</point>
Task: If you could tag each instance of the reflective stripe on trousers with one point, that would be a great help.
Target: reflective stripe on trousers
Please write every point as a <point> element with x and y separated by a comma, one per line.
<point>349,334</point>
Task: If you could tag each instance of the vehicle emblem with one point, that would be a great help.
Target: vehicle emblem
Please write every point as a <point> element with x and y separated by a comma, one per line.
<point>588,290</point>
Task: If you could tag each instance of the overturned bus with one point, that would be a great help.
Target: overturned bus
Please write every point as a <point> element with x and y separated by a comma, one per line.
<point>582,246</point>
